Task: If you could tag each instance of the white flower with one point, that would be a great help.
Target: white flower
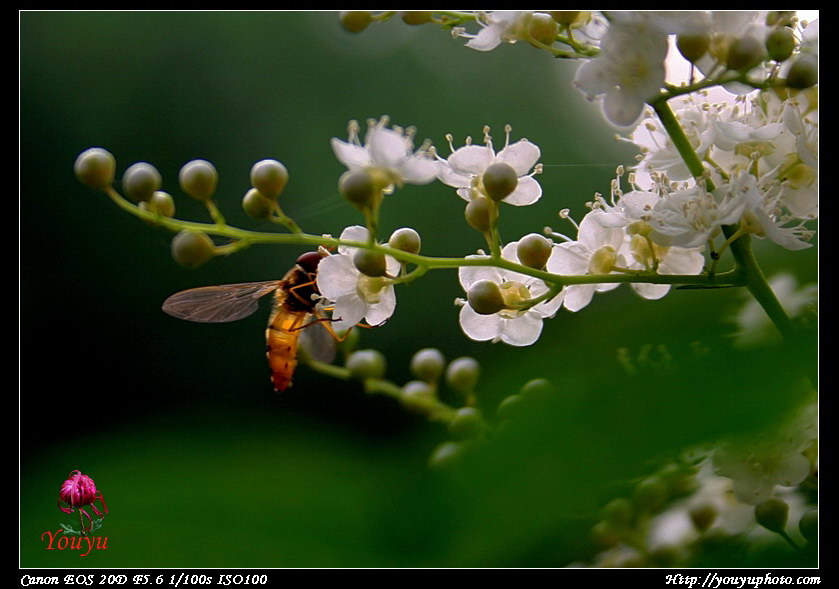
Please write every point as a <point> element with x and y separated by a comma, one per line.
<point>660,155</point>
<point>387,151</point>
<point>465,167</point>
<point>356,296</point>
<point>671,260</point>
<point>754,325</point>
<point>801,194</point>
<point>628,71</point>
<point>690,217</point>
<point>756,467</point>
<point>725,27</point>
<point>596,251</point>
<point>764,216</point>
<point>810,38</point>
<point>496,26</point>
<point>511,326</point>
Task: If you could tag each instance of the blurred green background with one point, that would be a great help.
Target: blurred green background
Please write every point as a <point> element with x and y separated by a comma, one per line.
<point>201,464</point>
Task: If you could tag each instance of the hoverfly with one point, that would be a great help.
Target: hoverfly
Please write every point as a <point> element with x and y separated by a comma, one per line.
<point>296,299</point>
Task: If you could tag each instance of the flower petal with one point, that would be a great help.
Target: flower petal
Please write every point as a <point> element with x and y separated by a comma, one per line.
<point>387,147</point>
<point>352,233</point>
<point>521,156</point>
<point>419,169</point>
<point>651,292</point>
<point>568,258</point>
<point>337,276</point>
<point>351,155</point>
<point>578,296</point>
<point>527,192</point>
<point>349,311</point>
<point>469,275</point>
<point>471,160</point>
<point>792,470</point>
<point>622,108</point>
<point>487,38</point>
<point>451,178</point>
<point>523,330</point>
<point>382,311</point>
<point>479,327</point>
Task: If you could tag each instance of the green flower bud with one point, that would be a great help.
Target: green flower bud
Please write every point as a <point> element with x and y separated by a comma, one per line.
<point>744,53</point>
<point>95,168</point>
<point>650,495</point>
<point>462,375</point>
<point>366,364</point>
<point>605,534</point>
<point>370,263</point>
<point>466,423</point>
<point>141,181</point>
<point>542,28</point>
<point>538,388</point>
<point>418,396</point>
<point>479,214</point>
<point>642,228</point>
<point>428,365</point>
<point>565,17</point>
<point>618,512</point>
<point>702,515</point>
<point>198,179</point>
<point>485,297</point>
<point>499,180</point>
<point>804,72</point>
<point>446,455</point>
<point>161,202</point>
<point>808,525</point>
<point>693,47</point>
<point>358,188</point>
<point>603,260</point>
<point>772,514</point>
<point>257,205</point>
<point>269,177</point>
<point>665,556</point>
<point>355,21</point>
<point>780,44</point>
<point>415,17</point>
<point>780,17</point>
<point>534,250</point>
<point>511,407</point>
<point>406,240</point>
<point>192,248</point>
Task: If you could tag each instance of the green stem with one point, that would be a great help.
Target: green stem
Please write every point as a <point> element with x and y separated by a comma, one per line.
<point>243,238</point>
<point>284,220</point>
<point>215,214</point>
<point>789,540</point>
<point>433,408</point>
<point>757,284</point>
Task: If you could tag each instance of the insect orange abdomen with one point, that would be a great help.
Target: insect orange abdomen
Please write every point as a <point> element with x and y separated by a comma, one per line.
<point>281,337</point>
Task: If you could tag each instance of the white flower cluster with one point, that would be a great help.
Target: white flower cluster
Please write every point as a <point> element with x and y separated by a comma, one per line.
<point>761,154</point>
<point>756,468</point>
<point>758,152</point>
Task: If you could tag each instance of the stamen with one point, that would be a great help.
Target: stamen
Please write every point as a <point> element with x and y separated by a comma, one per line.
<point>353,129</point>
<point>566,214</point>
<point>450,139</point>
<point>555,234</point>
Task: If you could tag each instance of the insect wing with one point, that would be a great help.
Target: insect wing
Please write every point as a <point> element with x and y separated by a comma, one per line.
<point>317,342</point>
<point>218,304</point>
